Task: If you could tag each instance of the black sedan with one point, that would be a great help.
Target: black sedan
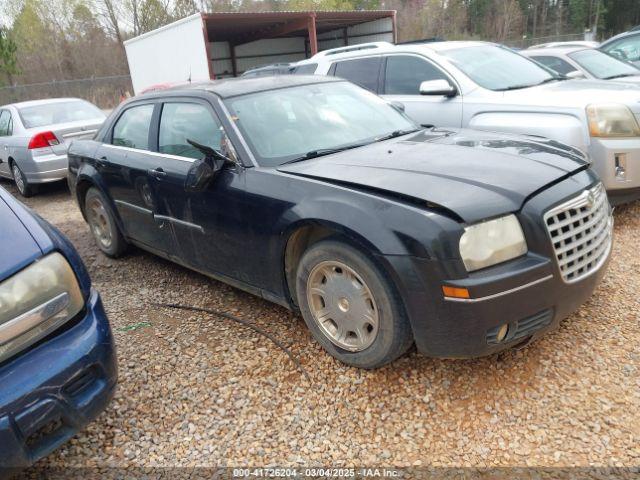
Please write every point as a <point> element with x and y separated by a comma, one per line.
<point>320,196</point>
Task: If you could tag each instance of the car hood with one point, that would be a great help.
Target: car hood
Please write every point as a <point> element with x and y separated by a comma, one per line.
<point>473,174</point>
<point>577,94</point>
<point>19,248</point>
<point>633,80</point>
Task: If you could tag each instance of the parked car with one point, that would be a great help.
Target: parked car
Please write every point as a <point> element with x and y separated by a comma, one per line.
<point>579,62</point>
<point>487,87</point>
<point>57,359</point>
<point>267,70</point>
<point>318,195</point>
<point>625,46</point>
<point>35,135</point>
<point>570,43</point>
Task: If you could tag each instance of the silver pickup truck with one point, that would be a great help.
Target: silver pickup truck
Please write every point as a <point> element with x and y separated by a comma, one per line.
<point>489,87</point>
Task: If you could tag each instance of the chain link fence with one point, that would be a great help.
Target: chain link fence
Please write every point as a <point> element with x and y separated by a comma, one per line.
<point>105,92</point>
<point>528,42</point>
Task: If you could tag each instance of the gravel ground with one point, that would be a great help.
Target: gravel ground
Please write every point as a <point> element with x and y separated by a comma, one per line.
<point>196,390</point>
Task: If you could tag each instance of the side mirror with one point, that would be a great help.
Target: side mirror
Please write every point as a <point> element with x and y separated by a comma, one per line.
<point>203,171</point>
<point>576,74</point>
<point>438,87</point>
<point>398,106</point>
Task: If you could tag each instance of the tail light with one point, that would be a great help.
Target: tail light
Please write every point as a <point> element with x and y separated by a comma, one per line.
<point>43,139</point>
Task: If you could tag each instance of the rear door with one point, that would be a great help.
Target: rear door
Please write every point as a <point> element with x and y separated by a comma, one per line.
<point>5,134</point>
<point>130,170</point>
<point>402,76</point>
<point>361,71</point>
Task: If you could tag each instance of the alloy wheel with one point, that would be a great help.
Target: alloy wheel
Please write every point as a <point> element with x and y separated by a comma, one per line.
<point>19,179</point>
<point>99,222</point>
<point>342,305</point>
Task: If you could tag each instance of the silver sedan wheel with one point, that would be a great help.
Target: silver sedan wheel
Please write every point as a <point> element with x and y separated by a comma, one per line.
<point>99,222</point>
<point>342,305</point>
<point>17,177</point>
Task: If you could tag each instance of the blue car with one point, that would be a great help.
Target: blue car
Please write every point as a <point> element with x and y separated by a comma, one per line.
<point>58,366</point>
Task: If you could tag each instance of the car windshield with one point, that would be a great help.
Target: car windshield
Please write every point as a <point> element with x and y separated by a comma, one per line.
<point>498,68</point>
<point>285,124</point>
<point>602,65</point>
<point>58,112</point>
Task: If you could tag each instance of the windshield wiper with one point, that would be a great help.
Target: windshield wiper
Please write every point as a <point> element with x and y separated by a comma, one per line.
<point>529,85</point>
<point>322,152</point>
<point>328,151</point>
<point>396,133</point>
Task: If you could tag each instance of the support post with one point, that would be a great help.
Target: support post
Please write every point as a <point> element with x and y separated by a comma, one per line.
<point>234,65</point>
<point>313,38</point>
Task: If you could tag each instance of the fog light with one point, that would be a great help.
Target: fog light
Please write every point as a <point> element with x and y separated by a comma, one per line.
<point>621,166</point>
<point>502,332</point>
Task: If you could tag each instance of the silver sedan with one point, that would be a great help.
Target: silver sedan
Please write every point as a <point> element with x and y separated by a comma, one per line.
<point>35,136</point>
<point>581,62</point>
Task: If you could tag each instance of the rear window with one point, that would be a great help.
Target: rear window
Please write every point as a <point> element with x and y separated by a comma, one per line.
<point>308,69</point>
<point>363,72</point>
<point>132,128</point>
<point>59,112</point>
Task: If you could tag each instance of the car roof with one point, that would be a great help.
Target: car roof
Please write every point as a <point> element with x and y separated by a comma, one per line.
<point>555,50</point>
<point>629,33</point>
<point>44,101</point>
<point>232,87</point>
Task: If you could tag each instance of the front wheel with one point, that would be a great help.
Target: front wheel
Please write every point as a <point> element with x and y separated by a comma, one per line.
<point>350,306</point>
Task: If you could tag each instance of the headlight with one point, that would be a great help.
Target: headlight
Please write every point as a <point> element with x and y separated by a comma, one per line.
<point>487,243</point>
<point>36,301</point>
<point>611,120</point>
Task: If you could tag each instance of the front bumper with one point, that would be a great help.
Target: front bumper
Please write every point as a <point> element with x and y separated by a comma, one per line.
<point>52,391</point>
<point>527,293</point>
<point>609,156</point>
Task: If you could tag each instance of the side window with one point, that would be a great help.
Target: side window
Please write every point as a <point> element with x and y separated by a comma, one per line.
<point>554,63</point>
<point>405,73</point>
<point>5,123</point>
<point>187,121</point>
<point>627,49</point>
<point>362,71</point>
<point>308,69</point>
<point>132,128</point>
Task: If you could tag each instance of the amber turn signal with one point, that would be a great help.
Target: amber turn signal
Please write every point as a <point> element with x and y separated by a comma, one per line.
<point>455,292</point>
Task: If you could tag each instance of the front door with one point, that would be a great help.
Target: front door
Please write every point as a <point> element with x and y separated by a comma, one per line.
<point>207,225</point>
<point>403,75</point>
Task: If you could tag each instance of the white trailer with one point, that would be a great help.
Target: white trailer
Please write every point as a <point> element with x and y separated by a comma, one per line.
<point>218,45</point>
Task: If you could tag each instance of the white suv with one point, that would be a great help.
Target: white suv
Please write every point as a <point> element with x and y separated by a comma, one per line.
<point>489,87</point>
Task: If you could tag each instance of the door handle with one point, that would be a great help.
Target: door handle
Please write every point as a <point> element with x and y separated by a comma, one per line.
<point>158,173</point>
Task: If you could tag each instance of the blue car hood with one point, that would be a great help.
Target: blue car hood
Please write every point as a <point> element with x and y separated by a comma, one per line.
<point>19,247</point>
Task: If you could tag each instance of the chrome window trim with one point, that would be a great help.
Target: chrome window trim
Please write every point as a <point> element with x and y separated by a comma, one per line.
<point>499,294</point>
<point>149,152</point>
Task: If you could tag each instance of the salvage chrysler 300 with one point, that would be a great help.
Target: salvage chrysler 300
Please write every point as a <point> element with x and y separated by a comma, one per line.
<point>318,195</point>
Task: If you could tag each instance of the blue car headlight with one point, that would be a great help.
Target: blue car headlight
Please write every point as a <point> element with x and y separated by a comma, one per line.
<point>36,301</point>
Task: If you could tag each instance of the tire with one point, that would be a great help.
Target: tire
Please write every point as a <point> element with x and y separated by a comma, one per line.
<point>102,223</point>
<point>363,320</point>
<point>25,189</point>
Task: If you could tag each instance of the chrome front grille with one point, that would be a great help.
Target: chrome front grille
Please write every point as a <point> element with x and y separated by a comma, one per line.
<point>581,232</point>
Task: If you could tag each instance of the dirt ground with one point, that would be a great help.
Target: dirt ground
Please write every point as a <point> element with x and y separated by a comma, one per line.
<point>197,390</point>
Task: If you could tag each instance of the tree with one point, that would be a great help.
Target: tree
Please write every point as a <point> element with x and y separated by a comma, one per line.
<point>8,55</point>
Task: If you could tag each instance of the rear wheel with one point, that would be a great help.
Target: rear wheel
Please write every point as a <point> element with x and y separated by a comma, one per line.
<point>25,189</point>
<point>350,307</point>
<point>103,224</point>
